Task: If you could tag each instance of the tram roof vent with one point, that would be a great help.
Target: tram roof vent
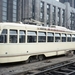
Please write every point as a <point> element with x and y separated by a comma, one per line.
<point>34,22</point>
<point>20,22</point>
<point>53,26</point>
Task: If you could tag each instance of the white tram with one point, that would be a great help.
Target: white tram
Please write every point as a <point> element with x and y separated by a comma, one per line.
<point>20,42</point>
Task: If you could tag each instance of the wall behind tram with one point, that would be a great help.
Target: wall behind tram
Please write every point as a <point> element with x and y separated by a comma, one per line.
<point>32,9</point>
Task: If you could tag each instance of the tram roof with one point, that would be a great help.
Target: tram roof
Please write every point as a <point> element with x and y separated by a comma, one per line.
<point>37,26</point>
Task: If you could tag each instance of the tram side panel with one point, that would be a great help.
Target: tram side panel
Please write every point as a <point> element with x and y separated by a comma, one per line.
<point>21,52</point>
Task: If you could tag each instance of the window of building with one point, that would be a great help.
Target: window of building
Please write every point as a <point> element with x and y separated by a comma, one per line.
<point>14,10</point>
<point>54,15</point>
<point>48,14</point>
<point>33,9</point>
<point>63,18</point>
<point>50,37</point>
<point>41,36</point>
<point>22,35</point>
<point>4,13</point>
<point>3,36</point>
<point>4,18</point>
<point>59,17</point>
<point>14,7</point>
<point>42,17</point>
<point>48,20</point>
<point>14,15</point>
<point>42,11</point>
<point>58,12</point>
<point>48,17</point>
<point>48,6</point>
<point>4,0</point>
<point>57,37</point>
<point>63,37</point>
<point>68,38</point>
<point>4,4</point>
<point>42,4</point>
<point>13,36</point>
<point>4,10</point>
<point>14,19</point>
<point>31,36</point>
<point>14,2</point>
<point>72,19</point>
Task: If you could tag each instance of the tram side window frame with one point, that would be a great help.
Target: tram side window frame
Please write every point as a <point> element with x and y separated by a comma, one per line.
<point>22,36</point>
<point>57,37</point>
<point>68,38</point>
<point>13,36</point>
<point>63,36</point>
<point>73,37</point>
<point>3,36</point>
<point>50,37</point>
<point>31,36</point>
<point>41,36</point>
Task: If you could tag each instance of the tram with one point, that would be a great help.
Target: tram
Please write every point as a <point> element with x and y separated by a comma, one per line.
<point>22,42</point>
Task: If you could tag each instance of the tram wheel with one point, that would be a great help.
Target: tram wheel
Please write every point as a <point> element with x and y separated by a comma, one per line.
<point>69,53</point>
<point>41,57</point>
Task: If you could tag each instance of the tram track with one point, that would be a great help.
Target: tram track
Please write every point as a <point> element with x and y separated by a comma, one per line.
<point>53,66</point>
<point>62,68</point>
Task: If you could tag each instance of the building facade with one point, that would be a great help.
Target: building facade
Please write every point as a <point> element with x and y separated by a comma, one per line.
<point>72,2</point>
<point>8,10</point>
<point>49,12</point>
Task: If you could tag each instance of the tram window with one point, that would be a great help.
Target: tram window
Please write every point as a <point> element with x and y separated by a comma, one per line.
<point>31,36</point>
<point>3,36</point>
<point>73,38</point>
<point>63,37</point>
<point>41,36</point>
<point>68,38</point>
<point>22,34</point>
<point>13,36</point>
<point>50,37</point>
<point>57,37</point>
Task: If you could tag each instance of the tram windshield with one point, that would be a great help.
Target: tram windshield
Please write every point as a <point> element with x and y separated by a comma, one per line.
<point>3,36</point>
